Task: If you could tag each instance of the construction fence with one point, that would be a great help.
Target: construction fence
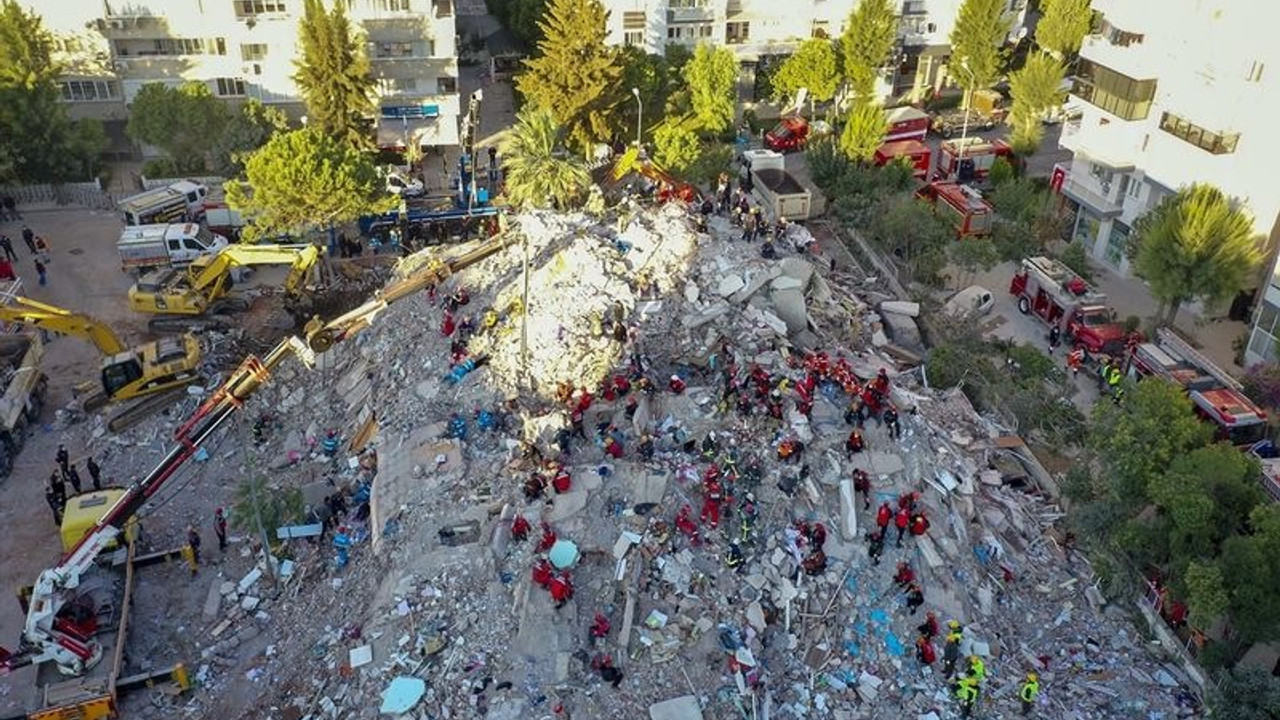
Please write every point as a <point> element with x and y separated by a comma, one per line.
<point>86,194</point>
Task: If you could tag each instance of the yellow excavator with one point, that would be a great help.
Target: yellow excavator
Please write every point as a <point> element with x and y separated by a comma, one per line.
<point>127,373</point>
<point>195,296</point>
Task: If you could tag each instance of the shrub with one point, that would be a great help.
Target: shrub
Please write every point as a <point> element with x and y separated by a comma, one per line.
<point>1077,259</point>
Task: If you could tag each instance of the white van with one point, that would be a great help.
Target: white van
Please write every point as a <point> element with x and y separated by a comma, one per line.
<point>148,247</point>
<point>179,202</point>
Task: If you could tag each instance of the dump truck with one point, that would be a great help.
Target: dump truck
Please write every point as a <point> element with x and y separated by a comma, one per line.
<point>913,152</point>
<point>25,387</point>
<point>1057,296</point>
<point>781,195</point>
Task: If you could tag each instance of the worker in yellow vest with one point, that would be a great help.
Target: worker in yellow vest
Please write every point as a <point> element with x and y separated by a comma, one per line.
<point>1030,690</point>
<point>967,695</point>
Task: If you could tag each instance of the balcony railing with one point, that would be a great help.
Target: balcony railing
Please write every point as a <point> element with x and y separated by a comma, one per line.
<point>124,27</point>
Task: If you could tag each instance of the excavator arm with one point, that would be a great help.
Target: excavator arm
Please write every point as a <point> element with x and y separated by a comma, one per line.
<point>209,271</point>
<point>43,639</point>
<point>37,314</point>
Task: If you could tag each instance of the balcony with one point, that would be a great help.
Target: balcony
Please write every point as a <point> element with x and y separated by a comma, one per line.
<point>133,27</point>
<point>691,15</point>
<point>1088,191</point>
<point>1111,144</point>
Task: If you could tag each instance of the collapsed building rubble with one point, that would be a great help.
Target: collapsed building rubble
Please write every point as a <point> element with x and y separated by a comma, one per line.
<point>440,612</point>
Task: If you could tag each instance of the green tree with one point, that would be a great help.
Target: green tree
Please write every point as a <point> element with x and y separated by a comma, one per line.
<point>575,76</point>
<point>1207,494</point>
<point>1195,245</point>
<point>812,67</point>
<point>1063,25</point>
<point>249,128</point>
<point>676,144</point>
<point>306,179</point>
<point>977,40</point>
<point>539,172</point>
<point>1246,693</point>
<point>864,130</point>
<point>712,78</point>
<point>1206,594</point>
<point>910,231</point>
<point>654,76</point>
<point>277,507</point>
<point>1036,87</point>
<point>971,256</point>
<point>39,143</point>
<point>180,120</point>
<point>521,16</point>
<point>1251,565</point>
<point>1019,199</point>
<point>865,45</point>
<point>332,73</point>
<point>1139,439</point>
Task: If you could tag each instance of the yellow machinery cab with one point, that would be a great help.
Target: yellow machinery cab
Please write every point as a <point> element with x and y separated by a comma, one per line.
<point>85,510</point>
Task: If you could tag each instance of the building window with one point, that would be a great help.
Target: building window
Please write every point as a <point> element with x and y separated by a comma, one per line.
<point>393,49</point>
<point>633,20</point>
<point>914,7</point>
<point>820,30</point>
<point>391,5</point>
<point>88,91</point>
<point>1117,241</point>
<point>229,87</point>
<point>737,32</point>
<point>704,30</point>
<point>685,4</point>
<point>249,8</point>
<point>1214,142</point>
<point>1118,37</point>
<point>446,85</point>
<point>1135,187</point>
<point>1114,92</point>
<point>633,38</point>
<point>180,46</point>
<point>397,86</point>
<point>253,52</point>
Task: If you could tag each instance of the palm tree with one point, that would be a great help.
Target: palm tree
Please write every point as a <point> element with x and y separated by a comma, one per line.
<point>539,172</point>
<point>1196,245</point>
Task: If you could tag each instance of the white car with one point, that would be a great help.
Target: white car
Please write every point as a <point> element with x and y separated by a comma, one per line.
<point>973,301</point>
<point>399,184</point>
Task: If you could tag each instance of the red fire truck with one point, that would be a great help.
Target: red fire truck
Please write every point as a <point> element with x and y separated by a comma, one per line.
<point>913,151</point>
<point>789,134</point>
<point>963,206</point>
<point>906,123</point>
<point>1059,297</point>
<point>1218,397</point>
<point>970,158</point>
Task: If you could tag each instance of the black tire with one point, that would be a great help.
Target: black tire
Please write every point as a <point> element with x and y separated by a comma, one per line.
<point>1024,306</point>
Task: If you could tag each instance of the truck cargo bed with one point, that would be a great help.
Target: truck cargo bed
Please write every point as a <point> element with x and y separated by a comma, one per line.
<point>779,182</point>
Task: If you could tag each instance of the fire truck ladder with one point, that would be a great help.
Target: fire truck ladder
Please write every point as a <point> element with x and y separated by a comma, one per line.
<point>1169,339</point>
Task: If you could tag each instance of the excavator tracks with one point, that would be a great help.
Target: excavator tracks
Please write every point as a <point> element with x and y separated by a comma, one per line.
<point>143,409</point>
<point>173,324</point>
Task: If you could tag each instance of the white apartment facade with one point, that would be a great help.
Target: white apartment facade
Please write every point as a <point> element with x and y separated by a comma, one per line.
<point>246,49</point>
<point>1170,98</point>
<point>756,29</point>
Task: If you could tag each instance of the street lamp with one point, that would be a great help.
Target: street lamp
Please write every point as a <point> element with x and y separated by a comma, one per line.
<point>964,128</point>
<point>639,114</point>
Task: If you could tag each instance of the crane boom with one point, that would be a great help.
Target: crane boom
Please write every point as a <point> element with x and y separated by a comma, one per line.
<point>37,314</point>
<point>43,640</point>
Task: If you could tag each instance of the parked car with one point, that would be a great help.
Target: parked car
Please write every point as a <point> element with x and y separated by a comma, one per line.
<point>973,301</point>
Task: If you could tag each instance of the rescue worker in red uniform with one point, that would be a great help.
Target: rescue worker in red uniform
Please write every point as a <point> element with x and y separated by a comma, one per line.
<point>561,588</point>
<point>519,529</point>
<point>713,495</point>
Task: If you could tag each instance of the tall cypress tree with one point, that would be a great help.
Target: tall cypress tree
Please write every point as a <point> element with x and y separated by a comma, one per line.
<point>977,41</point>
<point>333,74</point>
<point>575,76</point>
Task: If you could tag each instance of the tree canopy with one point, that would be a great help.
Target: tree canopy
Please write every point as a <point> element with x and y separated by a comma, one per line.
<point>712,78</point>
<point>676,144</point>
<point>864,130</point>
<point>977,40</point>
<point>1195,245</point>
<point>332,72</point>
<point>1063,25</point>
<point>180,120</point>
<point>575,76</point>
<point>812,67</point>
<point>306,179</point>
<point>39,142</point>
<point>1036,88</point>
<point>866,43</point>
<point>539,172</point>
<point>249,128</point>
<point>521,16</point>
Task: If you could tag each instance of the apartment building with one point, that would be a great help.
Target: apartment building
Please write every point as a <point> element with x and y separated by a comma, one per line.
<point>247,48</point>
<point>1166,99</point>
<point>757,29</point>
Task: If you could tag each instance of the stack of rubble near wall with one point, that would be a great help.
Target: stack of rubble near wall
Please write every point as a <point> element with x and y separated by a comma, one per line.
<point>449,600</point>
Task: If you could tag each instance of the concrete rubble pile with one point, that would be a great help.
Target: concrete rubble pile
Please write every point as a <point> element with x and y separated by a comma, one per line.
<point>436,616</point>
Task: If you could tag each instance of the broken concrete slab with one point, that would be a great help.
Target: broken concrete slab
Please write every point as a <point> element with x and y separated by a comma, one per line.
<point>798,268</point>
<point>681,708</point>
<point>903,330</point>
<point>566,505</point>
<point>789,306</point>
<point>644,485</point>
<point>877,463</point>
<point>848,510</point>
<point>901,307</point>
<point>757,281</point>
<point>729,284</point>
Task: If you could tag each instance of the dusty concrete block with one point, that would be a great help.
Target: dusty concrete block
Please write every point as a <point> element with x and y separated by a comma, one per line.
<point>848,510</point>
<point>901,307</point>
<point>568,504</point>
<point>681,708</point>
<point>729,285</point>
